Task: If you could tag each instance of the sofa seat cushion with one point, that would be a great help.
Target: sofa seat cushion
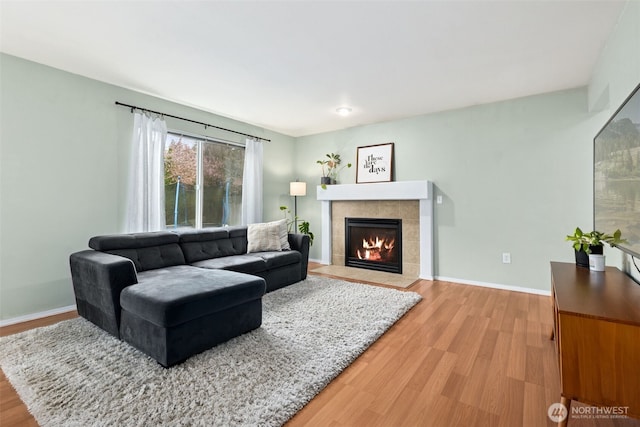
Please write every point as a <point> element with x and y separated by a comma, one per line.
<point>171,296</point>
<point>278,259</point>
<point>241,263</point>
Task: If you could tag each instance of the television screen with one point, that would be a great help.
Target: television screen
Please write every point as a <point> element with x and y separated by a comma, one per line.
<point>616,185</point>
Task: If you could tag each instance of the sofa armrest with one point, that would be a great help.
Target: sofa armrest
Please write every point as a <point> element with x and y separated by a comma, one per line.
<point>98,279</point>
<point>300,243</point>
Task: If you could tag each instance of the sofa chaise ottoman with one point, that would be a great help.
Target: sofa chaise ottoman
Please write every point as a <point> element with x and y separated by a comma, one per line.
<point>175,294</point>
<point>178,316</point>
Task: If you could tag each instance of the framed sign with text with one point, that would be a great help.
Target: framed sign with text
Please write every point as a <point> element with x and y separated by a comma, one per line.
<point>374,163</point>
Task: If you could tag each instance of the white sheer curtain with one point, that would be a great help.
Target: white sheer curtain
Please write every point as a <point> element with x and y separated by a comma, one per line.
<point>145,204</point>
<point>252,183</point>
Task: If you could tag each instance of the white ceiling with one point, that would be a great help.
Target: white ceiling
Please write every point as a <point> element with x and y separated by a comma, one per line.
<point>287,65</point>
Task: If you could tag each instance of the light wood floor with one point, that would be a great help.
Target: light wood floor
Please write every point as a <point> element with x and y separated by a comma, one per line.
<point>464,356</point>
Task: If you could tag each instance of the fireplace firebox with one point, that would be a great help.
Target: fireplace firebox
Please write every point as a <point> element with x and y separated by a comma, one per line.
<point>374,244</point>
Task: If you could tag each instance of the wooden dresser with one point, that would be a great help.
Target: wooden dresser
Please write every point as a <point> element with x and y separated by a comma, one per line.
<point>597,329</point>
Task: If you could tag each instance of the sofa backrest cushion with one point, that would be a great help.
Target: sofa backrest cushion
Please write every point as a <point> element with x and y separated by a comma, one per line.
<point>198,245</point>
<point>148,251</point>
<point>238,236</point>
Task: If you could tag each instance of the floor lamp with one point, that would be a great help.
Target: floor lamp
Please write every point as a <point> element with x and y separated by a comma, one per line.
<point>297,189</point>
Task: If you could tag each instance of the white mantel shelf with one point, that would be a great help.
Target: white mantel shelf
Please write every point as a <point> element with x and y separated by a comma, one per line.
<point>399,190</point>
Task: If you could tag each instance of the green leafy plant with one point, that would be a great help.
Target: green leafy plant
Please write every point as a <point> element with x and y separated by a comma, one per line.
<point>584,241</point>
<point>303,226</point>
<point>331,166</point>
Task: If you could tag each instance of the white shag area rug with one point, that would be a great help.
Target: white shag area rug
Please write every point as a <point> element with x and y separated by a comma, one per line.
<point>74,374</point>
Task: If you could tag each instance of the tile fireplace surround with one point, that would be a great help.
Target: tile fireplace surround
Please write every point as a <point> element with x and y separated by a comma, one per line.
<point>412,201</point>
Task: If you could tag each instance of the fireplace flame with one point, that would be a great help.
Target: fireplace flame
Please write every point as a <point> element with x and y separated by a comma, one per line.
<point>375,250</point>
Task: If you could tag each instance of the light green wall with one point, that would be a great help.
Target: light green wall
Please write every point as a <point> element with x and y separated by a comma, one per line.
<point>64,148</point>
<point>615,75</point>
<point>507,173</point>
<point>617,71</point>
<point>516,176</point>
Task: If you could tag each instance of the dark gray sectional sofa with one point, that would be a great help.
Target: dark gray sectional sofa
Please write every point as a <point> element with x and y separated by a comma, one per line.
<point>175,294</point>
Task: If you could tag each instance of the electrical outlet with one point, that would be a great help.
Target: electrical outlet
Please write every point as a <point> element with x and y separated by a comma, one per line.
<point>506,258</point>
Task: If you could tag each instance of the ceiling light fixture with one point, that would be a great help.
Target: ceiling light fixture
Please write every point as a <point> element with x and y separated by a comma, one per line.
<point>344,111</point>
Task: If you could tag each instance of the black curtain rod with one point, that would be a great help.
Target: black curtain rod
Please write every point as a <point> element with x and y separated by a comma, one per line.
<point>206,125</point>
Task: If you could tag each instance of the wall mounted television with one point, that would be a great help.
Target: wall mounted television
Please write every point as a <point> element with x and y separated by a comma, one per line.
<point>616,173</point>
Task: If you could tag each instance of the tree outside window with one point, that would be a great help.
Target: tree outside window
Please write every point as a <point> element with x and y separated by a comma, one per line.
<point>203,182</point>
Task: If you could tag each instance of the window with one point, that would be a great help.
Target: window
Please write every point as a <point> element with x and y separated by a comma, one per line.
<point>202,182</point>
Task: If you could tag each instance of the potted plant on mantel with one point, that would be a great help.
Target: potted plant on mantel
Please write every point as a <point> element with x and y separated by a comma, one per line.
<point>331,168</point>
<point>592,242</point>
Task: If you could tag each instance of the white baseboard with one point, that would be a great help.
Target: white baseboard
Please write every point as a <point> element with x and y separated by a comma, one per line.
<point>477,283</point>
<point>35,316</point>
<point>68,308</point>
<point>494,286</point>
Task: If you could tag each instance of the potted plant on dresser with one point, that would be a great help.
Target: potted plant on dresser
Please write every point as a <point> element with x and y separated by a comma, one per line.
<point>591,243</point>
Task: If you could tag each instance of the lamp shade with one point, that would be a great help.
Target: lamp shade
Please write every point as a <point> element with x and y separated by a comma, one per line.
<point>297,188</point>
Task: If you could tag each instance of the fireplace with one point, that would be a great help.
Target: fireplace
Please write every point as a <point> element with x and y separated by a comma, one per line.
<point>412,201</point>
<point>374,244</point>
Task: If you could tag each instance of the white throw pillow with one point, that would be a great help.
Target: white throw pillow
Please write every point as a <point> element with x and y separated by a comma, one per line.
<point>263,237</point>
<point>283,232</point>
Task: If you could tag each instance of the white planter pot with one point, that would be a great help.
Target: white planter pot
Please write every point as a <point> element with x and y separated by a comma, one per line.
<point>596,262</point>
